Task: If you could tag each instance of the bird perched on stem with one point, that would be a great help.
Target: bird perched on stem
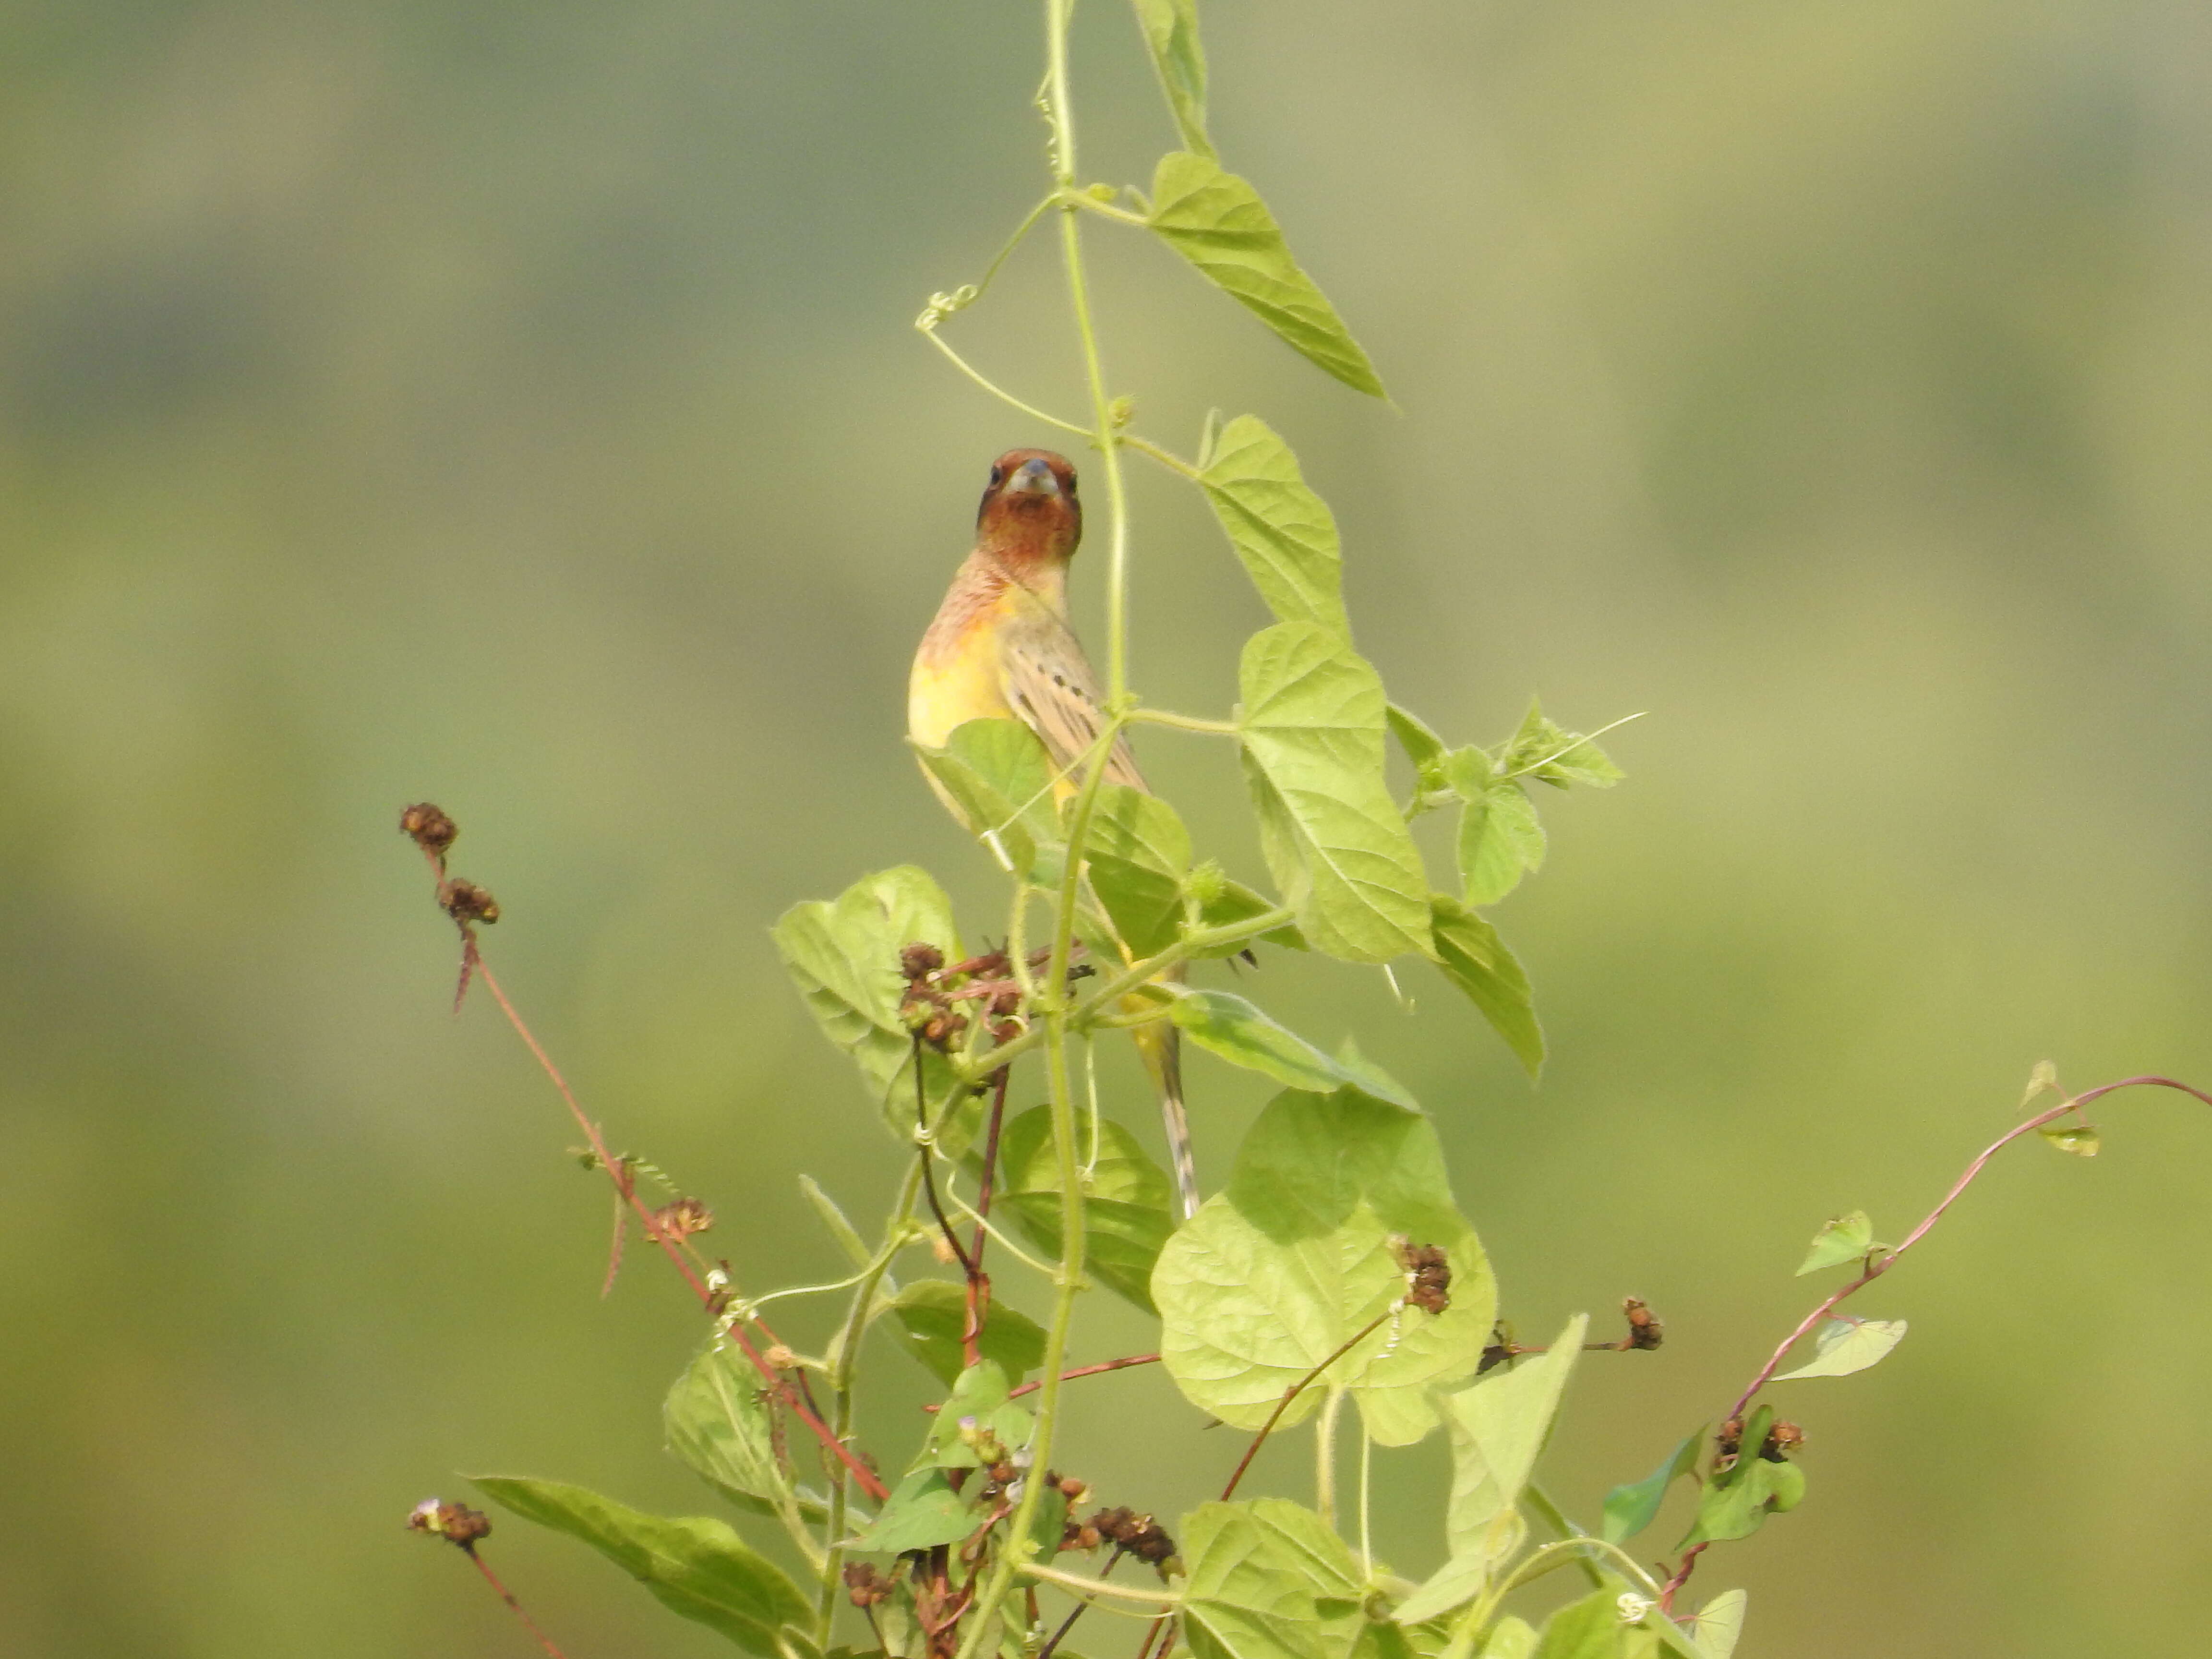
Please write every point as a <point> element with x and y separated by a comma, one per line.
<point>1001,648</point>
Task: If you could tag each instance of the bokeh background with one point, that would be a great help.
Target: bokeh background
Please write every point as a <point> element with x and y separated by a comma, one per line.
<point>516,406</point>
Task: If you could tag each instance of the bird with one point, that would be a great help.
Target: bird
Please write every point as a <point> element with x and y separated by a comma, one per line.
<point>1000,648</point>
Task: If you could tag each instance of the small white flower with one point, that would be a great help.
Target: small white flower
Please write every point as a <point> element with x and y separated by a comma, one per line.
<point>1634,1607</point>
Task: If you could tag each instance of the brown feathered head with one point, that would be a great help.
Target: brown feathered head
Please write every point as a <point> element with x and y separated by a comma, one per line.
<point>1029,511</point>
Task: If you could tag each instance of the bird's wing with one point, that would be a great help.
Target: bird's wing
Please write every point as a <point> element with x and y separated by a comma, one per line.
<point>1051,688</point>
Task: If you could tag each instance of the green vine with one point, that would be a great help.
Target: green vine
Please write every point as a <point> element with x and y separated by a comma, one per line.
<point>1330,1277</point>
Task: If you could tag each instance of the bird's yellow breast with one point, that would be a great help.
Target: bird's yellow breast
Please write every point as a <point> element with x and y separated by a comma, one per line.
<point>958,676</point>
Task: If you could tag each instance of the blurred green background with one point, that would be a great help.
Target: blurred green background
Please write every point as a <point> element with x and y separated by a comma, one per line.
<point>515,406</point>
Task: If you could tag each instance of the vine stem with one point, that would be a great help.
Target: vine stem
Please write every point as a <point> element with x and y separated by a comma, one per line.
<point>1061,107</point>
<point>1881,1265</point>
<point>1325,1456</point>
<point>1061,1099</point>
<point>1086,1012</point>
<point>1297,1388</point>
<point>1098,1369</point>
<point>474,964</point>
<point>841,1381</point>
<point>1877,1265</point>
<point>979,1284</point>
<point>507,1596</point>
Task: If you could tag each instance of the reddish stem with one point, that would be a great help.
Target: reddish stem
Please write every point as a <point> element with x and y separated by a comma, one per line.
<point>1121,1364</point>
<point>979,1286</point>
<point>507,1596</point>
<point>1881,1265</point>
<point>1103,1366</point>
<point>1681,1576</point>
<point>473,960</point>
<point>1292,1393</point>
<point>1878,1266</point>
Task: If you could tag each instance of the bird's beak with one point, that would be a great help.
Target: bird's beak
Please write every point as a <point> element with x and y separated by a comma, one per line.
<point>1032,478</point>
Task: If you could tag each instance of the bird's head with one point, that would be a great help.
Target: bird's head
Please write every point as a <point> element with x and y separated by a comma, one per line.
<point>1029,510</point>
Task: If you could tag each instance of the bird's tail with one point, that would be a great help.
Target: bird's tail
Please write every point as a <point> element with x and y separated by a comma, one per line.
<point>1161,1045</point>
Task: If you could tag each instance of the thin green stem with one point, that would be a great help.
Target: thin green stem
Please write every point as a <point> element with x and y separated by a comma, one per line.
<point>1367,1470</point>
<point>841,1381</point>
<point>982,1614</point>
<point>1006,252</point>
<point>1018,942</point>
<point>971,1212</point>
<point>1548,1558</point>
<point>1086,1012</point>
<point>929,333</point>
<point>1569,748</point>
<point>1089,203</point>
<point>1105,433</point>
<point>1097,1586</point>
<point>1166,458</point>
<point>1184,722</point>
<point>1555,1517</point>
<point>1190,944</point>
<point>1325,1456</point>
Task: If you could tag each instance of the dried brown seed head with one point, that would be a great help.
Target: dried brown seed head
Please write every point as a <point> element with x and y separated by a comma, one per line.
<point>429,829</point>
<point>919,960</point>
<point>1646,1328</point>
<point>457,1523</point>
<point>1428,1275</point>
<point>865,1586</point>
<point>682,1218</point>
<point>466,903</point>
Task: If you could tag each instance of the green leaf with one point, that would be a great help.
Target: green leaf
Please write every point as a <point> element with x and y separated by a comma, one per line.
<point>978,1408</point>
<point>923,1512</point>
<point>2079,1138</point>
<point>1630,1509</point>
<point>1378,1640</point>
<point>1465,1576</point>
<point>1511,1638</point>
<point>1267,1579</point>
<point>844,958</point>
<point>1718,1625</point>
<point>693,1565</point>
<point>1222,902</point>
<point>1543,749</point>
<point>2043,1075</point>
<point>1284,534</point>
<point>934,1312</point>
<point>1845,1345</point>
<point>1125,1210</point>
<point>1218,221</point>
<point>1334,840</point>
<point>1842,1238</point>
<point>717,1422</point>
<point>1499,835</point>
<point>1171,36</point>
<point>833,1220</point>
<point>1498,1425</point>
<point>1476,960</point>
<point>1737,1501</point>
<point>1588,1629</point>
<point>1423,747</point>
<point>998,780</point>
<point>1229,1026</point>
<point>1138,859</point>
<point>1300,1254</point>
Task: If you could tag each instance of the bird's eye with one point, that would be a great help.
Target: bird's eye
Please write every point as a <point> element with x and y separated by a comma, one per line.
<point>998,477</point>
